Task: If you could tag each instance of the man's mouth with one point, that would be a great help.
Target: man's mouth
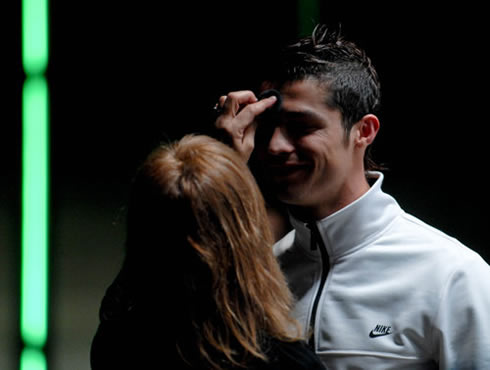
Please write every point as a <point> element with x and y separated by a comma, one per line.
<point>286,170</point>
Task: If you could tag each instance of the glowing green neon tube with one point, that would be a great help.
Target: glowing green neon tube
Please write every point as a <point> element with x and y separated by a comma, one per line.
<point>35,214</point>
<point>35,186</point>
<point>35,36</point>
<point>32,359</point>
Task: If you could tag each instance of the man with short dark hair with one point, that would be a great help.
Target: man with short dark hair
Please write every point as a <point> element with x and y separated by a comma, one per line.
<point>376,287</point>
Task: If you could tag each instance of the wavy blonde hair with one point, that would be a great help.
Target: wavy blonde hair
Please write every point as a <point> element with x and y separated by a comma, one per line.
<point>233,292</point>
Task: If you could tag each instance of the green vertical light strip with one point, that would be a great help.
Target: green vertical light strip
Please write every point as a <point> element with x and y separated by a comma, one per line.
<point>35,36</point>
<point>35,167</point>
<point>35,186</point>
<point>308,16</point>
<point>33,359</point>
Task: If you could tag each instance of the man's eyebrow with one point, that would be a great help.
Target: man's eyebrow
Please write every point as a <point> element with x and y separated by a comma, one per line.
<point>300,115</point>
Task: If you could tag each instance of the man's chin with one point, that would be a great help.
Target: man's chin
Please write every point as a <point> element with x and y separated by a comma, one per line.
<point>289,194</point>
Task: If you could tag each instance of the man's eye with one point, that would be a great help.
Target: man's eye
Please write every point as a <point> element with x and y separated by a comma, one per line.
<point>300,129</point>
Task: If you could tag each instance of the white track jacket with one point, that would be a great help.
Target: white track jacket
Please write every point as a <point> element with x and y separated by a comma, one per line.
<point>383,290</point>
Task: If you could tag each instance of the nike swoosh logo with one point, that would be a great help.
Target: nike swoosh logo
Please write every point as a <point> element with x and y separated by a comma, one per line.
<point>380,331</point>
<point>375,335</point>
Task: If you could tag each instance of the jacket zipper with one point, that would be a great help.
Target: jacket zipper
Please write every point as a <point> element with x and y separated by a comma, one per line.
<point>317,241</point>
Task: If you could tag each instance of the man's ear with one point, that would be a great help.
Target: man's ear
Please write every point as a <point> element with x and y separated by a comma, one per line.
<point>366,130</point>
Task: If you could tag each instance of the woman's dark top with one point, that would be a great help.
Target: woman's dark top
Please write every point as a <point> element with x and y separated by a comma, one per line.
<point>129,339</point>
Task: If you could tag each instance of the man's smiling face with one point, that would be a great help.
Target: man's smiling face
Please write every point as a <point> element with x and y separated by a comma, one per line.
<point>305,153</point>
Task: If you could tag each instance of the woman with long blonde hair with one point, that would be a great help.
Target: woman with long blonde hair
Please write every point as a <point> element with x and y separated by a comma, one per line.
<point>199,269</point>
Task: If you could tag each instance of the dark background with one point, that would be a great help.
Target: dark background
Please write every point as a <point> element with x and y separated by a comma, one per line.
<point>125,76</point>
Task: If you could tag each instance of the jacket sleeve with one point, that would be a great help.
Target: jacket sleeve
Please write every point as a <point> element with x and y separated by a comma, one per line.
<point>461,335</point>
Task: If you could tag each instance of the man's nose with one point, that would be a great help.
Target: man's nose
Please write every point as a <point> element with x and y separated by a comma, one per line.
<point>279,142</point>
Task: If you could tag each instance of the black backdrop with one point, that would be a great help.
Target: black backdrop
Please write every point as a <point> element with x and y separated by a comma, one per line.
<point>126,75</point>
